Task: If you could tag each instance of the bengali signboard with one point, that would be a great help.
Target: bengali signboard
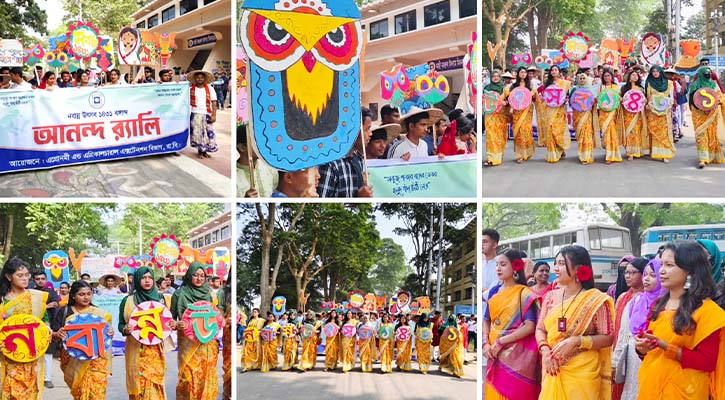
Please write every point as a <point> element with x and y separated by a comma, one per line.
<point>11,53</point>
<point>44,129</point>
<point>424,177</point>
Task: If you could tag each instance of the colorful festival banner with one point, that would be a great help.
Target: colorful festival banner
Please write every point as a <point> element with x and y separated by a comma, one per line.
<point>365,332</point>
<point>242,103</point>
<point>203,322</point>
<point>279,305</point>
<point>25,338</point>
<point>348,330</point>
<point>424,177</point>
<point>330,329</point>
<point>304,79</point>
<point>403,300</point>
<point>418,86</point>
<point>268,334</point>
<point>385,332</point>
<point>83,40</point>
<point>251,334</point>
<point>149,323</point>
<point>111,304</point>
<point>11,53</point>
<point>356,298</point>
<point>165,251</point>
<point>65,127</point>
<point>403,333</point>
<point>33,55</point>
<point>424,334</point>
<point>57,267</point>
<point>88,336</point>
<point>653,50</point>
<point>221,261</point>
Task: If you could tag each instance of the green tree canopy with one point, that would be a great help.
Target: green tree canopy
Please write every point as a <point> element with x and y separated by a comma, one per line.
<point>19,16</point>
<point>108,16</point>
<point>518,219</point>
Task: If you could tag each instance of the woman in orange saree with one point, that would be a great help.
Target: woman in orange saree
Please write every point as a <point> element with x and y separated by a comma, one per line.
<point>87,380</point>
<point>252,349</point>
<point>348,341</point>
<point>225,305</point>
<point>145,365</point>
<point>332,343</point>
<point>198,378</point>
<point>403,345</point>
<point>584,123</point>
<point>423,337</point>
<point>496,124</point>
<point>290,345</point>
<point>309,331</point>
<point>707,123</point>
<point>366,346</point>
<point>522,121</point>
<point>451,346</point>
<point>610,123</point>
<point>270,342</point>
<point>20,381</point>
<point>684,343</point>
<point>635,124</point>
<point>558,138</point>
<point>575,332</point>
<point>659,126</point>
<point>385,341</point>
<point>509,324</point>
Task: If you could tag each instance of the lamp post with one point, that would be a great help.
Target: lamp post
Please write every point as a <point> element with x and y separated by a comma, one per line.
<point>715,18</point>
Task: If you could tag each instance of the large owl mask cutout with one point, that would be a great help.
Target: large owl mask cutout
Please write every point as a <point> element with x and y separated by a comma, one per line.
<point>304,79</point>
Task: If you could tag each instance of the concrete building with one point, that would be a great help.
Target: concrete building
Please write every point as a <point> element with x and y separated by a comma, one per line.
<point>714,30</point>
<point>458,287</point>
<point>413,32</point>
<point>216,232</point>
<point>203,31</point>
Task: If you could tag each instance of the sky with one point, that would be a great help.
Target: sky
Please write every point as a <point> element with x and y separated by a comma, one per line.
<point>54,10</point>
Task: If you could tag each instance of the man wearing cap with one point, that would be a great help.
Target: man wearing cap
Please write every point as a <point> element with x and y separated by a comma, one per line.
<point>203,114</point>
<point>415,124</point>
<point>532,72</point>
<point>507,77</point>
<point>17,80</point>
<point>379,140</point>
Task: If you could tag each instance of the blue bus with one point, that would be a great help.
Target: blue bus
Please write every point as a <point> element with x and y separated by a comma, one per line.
<point>653,238</point>
<point>606,244</point>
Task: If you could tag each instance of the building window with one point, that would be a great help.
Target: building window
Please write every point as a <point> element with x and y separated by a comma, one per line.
<point>457,295</point>
<point>405,22</point>
<point>226,233</point>
<point>168,14</point>
<point>469,293</point>
<point>215,236</point>
<point>457,276</point>
<point>466,8</point>
<point>207,239</point>
<point>186,6</point>
<point>141,25</point>
<point>437,13</point>
<point>379,29</point>
<point>153,21</point>
<point>208,1</point>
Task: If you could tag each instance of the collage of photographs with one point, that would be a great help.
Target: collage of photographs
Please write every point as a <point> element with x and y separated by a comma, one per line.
<point>333,193</point>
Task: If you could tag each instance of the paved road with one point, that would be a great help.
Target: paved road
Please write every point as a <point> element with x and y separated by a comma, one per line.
<point>117,382</point>
<point>639,178</point>
<point>355,385</point>
<point>153,176</point>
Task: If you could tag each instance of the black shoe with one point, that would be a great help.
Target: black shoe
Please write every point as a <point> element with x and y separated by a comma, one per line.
<point>49,385</point>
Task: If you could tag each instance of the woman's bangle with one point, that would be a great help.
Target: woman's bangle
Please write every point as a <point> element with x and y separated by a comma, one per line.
<point>586,342</point>
<point>671,351</point>
<point>498,342</point>
<point>542,345</point>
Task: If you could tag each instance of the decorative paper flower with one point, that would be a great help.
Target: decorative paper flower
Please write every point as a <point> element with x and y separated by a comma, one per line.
<point>584,273</point>
<point>518,265</point>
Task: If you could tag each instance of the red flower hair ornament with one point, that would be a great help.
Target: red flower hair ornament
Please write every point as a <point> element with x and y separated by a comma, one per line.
<point>584,273</point>
<point>518,265</point>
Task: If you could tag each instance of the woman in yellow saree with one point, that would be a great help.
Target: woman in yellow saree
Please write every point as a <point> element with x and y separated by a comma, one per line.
<point>509,324</point>
<point>198,379</point>
<point>610,123</point>
<point>706,123</point>
<point>270,343</point>
<point>496,124</point>
<point>309,331</point>
<point>20,381</point>
<point>558,138</point>
<point>522,121</point>
<point>575,332</point>
<point>225,306</point>
<point>635,124</point>
<point>87,380</point>
<point>659,127</point>
<point>385,341</point>
<point>332,343</point>
<point>686,332</point>
<point>585,124</point>
<point>290,346</point>
<point>423,337</point>
<point>145,365</point>
<point>403,343</point>
<point>366,346</point>
<point>252,351</point>
<point>348,341</point>
<point>451,346</point>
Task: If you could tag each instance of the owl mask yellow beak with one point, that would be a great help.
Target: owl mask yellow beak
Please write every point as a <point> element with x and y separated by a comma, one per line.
<point>308,29</point>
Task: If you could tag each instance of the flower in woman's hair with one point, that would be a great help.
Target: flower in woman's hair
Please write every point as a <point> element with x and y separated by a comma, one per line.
<point>517,265</point>
<point>584,273</point>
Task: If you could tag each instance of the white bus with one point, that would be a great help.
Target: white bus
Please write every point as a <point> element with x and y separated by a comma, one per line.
<point>653,238</point>
<point>606,244</point>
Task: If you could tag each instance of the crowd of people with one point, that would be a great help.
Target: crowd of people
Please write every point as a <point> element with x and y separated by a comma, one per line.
<point>621,131</point>
<point>145,365</point>
<point>352,337</point>
<point>419,133</point>
<point>657,333</point>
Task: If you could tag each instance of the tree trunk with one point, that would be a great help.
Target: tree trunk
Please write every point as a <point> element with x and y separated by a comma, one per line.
<point>267,231</point>
<point>7,240</point>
